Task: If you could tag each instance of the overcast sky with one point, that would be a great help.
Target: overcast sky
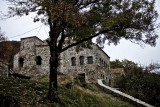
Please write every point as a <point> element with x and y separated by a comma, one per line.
<point>20,27</point>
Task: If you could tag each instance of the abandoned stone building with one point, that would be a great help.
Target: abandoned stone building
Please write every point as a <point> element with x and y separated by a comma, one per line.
<point>33,60</point>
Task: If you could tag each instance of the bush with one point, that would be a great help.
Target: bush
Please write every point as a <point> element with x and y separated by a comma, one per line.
<point>144,86</point>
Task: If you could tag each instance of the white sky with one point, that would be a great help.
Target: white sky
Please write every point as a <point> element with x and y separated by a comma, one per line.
<point>13,27</point>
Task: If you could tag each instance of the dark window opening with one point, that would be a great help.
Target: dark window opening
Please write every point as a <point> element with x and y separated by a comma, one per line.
<point>73,59</point>
<point>21,62</point>
<point>102,63</point>
<point>81,58</point>
<point>38,60</point>
<point>90,60</point>
<point>110,82</point>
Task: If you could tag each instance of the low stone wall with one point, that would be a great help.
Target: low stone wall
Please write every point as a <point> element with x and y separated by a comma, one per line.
<point>124,96</point>
<point>3,69</point>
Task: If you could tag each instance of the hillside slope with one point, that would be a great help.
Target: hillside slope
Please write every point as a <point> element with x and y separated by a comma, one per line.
<point>20,92</point>
<point>8,49</point>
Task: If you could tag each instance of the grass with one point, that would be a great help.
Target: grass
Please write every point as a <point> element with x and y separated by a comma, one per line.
<point>34,93</point>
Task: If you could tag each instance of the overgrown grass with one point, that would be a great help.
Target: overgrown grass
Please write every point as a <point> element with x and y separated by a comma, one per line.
<point>34,93</point>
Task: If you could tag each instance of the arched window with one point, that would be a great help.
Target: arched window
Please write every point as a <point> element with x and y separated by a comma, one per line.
<point>73,60</point>
<point>38,60</point>
<point>90,60</point>
<point>21,62</point>
<point>81,58</point>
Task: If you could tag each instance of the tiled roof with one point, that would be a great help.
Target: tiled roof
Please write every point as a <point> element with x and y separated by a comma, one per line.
<point>116,70</point>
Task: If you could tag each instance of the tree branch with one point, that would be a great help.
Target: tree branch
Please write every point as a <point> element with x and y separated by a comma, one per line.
<point>95,35</point>
<point>83,40</point>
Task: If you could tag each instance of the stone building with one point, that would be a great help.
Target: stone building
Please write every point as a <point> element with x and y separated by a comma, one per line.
<point>33,57</point>
<point>93,63</point>
<point>33,60</point>
<point>117,72</point>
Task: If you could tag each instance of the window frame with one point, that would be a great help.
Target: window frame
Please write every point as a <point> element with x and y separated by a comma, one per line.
<point>81,60</point>
<point>90,59</point>
<point>73,61</point>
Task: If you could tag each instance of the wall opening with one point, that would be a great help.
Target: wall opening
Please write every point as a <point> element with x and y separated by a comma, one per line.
<point>90,60</point>
<point>81,58</point>
<point>38,60</point>
<point>109,82</point>
<point>73,60</point>
<point>81,78</point>
<point>21,62</point>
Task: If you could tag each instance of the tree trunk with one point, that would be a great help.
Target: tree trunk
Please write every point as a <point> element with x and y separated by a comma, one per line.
<point>53,94</point>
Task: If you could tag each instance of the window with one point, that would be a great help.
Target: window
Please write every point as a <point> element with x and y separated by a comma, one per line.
<point>38,60</point>
<point>81,58</point>
<point>21,62</point>
<point>90,60</point>
<point>73,60</point>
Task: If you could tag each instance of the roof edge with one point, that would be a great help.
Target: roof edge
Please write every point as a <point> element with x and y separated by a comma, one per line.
<point>102,50</point>
<point>31,37</point>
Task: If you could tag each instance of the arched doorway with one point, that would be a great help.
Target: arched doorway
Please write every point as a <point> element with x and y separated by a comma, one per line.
<point>21,62</point>
<point>38,60</point>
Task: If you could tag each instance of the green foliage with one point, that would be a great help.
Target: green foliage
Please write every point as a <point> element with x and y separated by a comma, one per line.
<point>126,64</point>
<point>142,85</point>
<point>81,19</point>
<point>32,93</point>
<point>116,64</point>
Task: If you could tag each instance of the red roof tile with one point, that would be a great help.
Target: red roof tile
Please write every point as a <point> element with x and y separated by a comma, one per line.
<point>116,70</point>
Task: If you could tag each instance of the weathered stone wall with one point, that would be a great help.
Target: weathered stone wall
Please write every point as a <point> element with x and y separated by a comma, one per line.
<point>98,70</point>
<point>44,52</point>
<point>103,65</point>
<point>67,68</point>
<point>3,69</point>
<point>25,60</point>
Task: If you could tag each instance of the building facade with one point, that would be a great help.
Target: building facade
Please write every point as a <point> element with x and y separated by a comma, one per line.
<point>34,55</point>
<point>93,63</point>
